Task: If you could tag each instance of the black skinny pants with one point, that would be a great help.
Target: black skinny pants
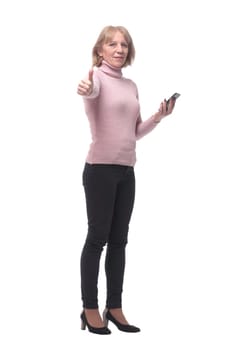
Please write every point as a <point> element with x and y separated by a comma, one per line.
<point>110,192</point>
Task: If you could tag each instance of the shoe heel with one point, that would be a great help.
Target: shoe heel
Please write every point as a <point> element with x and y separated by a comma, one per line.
<point>97,330</point>
<point>83,325</point>
<point>105,320</point>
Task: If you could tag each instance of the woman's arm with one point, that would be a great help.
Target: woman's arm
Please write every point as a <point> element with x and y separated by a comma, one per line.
<point>144,127</point>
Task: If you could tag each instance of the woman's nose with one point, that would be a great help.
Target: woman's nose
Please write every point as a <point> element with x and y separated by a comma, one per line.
<point>119,48</point>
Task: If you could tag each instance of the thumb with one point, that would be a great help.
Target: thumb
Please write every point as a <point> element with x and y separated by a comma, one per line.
<point>90,75</point>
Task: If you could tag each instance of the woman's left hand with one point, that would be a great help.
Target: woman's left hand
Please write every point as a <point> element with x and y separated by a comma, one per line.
<point>164,110</point>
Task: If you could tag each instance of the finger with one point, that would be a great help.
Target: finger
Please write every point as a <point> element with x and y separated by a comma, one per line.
<point>84,87</point>
<point>90,75</point>
<point>171,105</point>
<point>86,84</point>
<point>164,104</point>
<point>81,91</point>
<point>161,108</point>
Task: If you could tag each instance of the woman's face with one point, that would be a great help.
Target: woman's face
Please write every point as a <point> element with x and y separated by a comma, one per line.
<point>115,51</point>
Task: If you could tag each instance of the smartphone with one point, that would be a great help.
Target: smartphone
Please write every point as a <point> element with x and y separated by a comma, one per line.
<point>174,96</point>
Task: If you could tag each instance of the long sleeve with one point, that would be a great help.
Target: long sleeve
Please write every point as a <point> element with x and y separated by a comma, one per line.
<point>144,127</point>
<point>113,112</point>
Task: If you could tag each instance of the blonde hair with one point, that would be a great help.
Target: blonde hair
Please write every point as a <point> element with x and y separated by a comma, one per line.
<point>105,36</point>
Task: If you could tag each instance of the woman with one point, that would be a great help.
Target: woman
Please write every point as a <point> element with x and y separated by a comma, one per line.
<point>112,107</point>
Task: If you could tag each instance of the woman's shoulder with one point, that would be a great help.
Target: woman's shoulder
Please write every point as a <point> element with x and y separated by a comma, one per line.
<point>131,83</point>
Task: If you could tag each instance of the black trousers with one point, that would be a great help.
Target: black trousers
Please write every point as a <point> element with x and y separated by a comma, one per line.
<point>110,192</point>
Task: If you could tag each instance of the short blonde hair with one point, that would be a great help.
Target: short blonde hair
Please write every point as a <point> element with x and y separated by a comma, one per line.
<point>105,36</point>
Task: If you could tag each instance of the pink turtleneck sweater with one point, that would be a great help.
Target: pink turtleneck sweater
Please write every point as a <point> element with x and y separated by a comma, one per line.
<point>113,111</point>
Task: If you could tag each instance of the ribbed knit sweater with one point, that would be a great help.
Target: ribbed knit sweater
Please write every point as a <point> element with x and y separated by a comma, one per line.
<point>113,111</point>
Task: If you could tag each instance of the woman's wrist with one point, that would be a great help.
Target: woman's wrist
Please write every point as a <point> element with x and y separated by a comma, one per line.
<point>157,119</point>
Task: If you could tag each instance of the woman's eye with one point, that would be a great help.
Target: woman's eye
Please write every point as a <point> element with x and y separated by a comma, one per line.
<point>125,45</point>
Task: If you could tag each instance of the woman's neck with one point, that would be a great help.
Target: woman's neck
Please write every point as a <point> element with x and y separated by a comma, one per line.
<point>110,70</point>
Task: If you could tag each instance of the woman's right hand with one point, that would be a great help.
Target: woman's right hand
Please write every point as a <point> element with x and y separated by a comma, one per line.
<point>85,87</point>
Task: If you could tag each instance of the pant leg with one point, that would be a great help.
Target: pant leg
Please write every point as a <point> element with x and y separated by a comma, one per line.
<point>115,255</point>
<point>100,190</point>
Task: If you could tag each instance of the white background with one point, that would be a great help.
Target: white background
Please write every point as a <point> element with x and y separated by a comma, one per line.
<point>178,283</point>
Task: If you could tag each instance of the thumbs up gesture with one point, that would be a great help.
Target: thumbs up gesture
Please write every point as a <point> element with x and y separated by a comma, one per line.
<point>85,87</point>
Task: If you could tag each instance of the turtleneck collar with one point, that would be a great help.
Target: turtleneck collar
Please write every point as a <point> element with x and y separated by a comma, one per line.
<point>110,70</point>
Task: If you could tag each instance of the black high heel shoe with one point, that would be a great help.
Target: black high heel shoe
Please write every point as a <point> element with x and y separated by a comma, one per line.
<point>107,316</point>
<point>96,330</point>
